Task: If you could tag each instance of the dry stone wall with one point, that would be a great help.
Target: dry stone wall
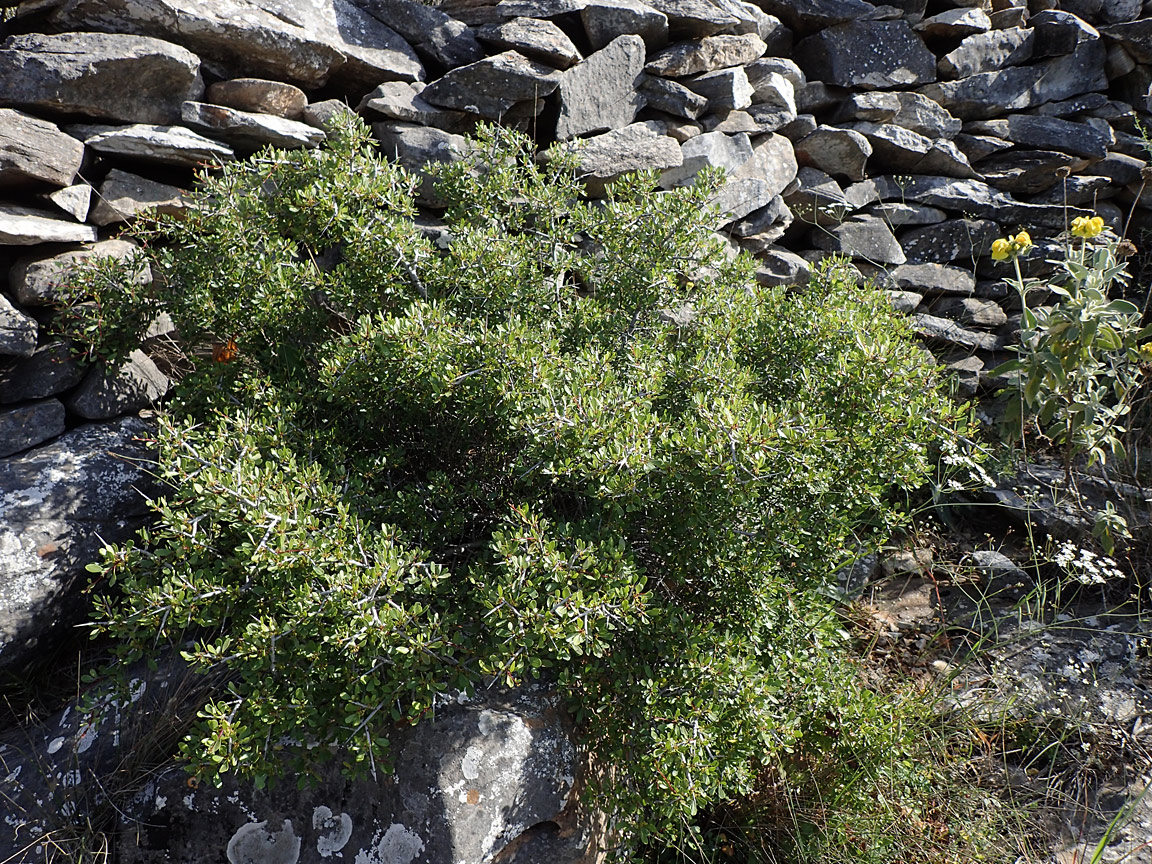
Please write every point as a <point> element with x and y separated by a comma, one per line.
<point>907,136</point>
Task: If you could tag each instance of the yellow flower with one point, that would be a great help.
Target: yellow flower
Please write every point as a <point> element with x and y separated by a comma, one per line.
<point>1087,226</point>
<point>1022,241</point>
<point>1146,351</point>
<point>1001,249</point>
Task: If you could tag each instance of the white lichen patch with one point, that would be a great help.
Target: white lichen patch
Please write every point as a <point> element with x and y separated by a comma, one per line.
<point>86,738</point>
<point>333,832</point>
<point>256,843</point>
<point>397,845</point>
<point>470,764</point>
<point>55,744</point>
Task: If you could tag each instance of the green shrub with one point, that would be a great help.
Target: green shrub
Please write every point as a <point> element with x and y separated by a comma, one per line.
<point>571,438</point>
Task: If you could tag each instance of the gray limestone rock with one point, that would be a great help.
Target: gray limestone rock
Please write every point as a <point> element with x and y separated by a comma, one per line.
<point>876,54</point>
<point>1135,36</point>
<point>692,19</point>
<point>247,130</point>
<point>258,96</point>
<point>969,196</point>
<point>129,79</point>
<point>990,94</point>
<point>753,120</point>
<point>962,240</point>
<point>398,100</point>
<point>711,150</point>
<point>898,214</point>
<point>39,280</point>
<point>807,16</point>
<point>35,151</point>
<point>1077,192</point>
<point>28,425</point>
<point>601,93</point>
<point>777,267</point>
<point>414,147</point>
<point>604,20</point>
<point>323,114</point>
<point>137,383</point>
<point>971,312</point>
<point>706,55</point>
<point>672,97</point>
<point>535,39</point>
<point>977,147</point>
<point>18,331</point>
<point>900,150</point>
<point>73,200</point>
<point>1047,133</point>
<point>637,147</point>
<point>24,226</point>
<point>435,35</point>
<point>767,66</point>
<point>903,301</point>
<point>864,237</point>
<point>58,505</point>
<point>725,89</point>
<point>839,152</point>
<point>1118,168</point>
<point>933,279</point>
<point>955,23</point>
<point>125,196</point>
<point>1025,172</point>
<point>485,778</point>
<point>949,334</point>
<point>817,199</point>
<point>777,93</point>
<point>50,370</point>
<point>304,42</point>
<point>756,184</point>
<point>168,145</point>
<point>912,111</point>
<point>490,87</point>
<point>987,52</point>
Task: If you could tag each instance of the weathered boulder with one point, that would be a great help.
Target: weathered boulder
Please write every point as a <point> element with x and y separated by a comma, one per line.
<point>58,505</point>
<point>692,19</point>
<point>955,23</point>
<point>29,425</point>
<point>490,87</point>
<point>303,42</point>
<point>135,384</point>
<point>949,334</point>
<point>535,39</point>
<point>604,20</point>
<point>900,150</point>
<point>806,16</point>
<point>933,279</point>
<point>877,54</point>
<point>40,280</point>
<point>436,36</point>
<point>48,371</point>
<point>414,147</point>
<point>168,145</point>
<point>817,199</point>
<point>485,778</point>
<point>601,93</point>
<point>781,267</point>
<point>130,79</point>
<point>971,312</point>
<point>35,151</point>
<point>247,130</point>
<point>706,55</point>
<point>672,97</point>
<point>125,196</point>
<point>1047,133</point>
<point>258,96</point>
<point>1025,172</point>
<point>909,110</point>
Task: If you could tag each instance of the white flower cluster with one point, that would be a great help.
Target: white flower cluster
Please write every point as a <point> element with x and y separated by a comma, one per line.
<point>1086,566</point>
<point>960,460</point>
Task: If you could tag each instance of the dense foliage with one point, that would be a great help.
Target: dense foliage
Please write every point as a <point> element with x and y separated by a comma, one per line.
<point>565,437</point>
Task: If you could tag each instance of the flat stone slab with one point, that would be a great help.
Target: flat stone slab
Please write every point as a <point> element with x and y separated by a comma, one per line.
<point>123,78</point>
<point>604,20</point>
<point>35,151</point>
<point>303,42</point>
<point>943,331</point>
<point>73,200</point>
<point>244,129</point>
<point>535,39</point>
<point>877,54</point>
<point>168,145</point>
<point>440,39</point>
<point>601,93</point>
<point>18,331</point>
<point>40,280</point>
<point>636,147</point>
<point>706,55</point>
<point>23,226</point>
